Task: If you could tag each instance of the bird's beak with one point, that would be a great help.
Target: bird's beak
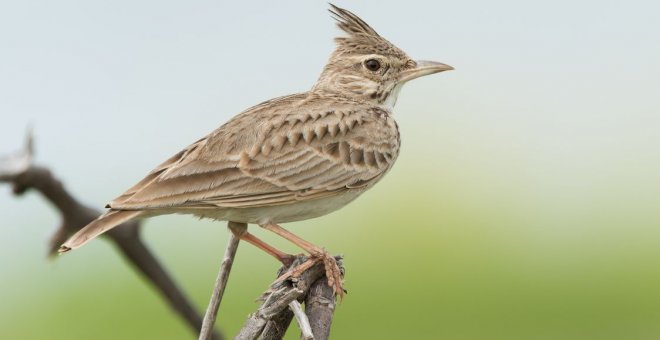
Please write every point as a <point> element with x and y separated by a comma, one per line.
<point>423,68</point>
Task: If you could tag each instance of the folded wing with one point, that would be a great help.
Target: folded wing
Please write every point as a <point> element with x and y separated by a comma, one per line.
<point>267,157</point>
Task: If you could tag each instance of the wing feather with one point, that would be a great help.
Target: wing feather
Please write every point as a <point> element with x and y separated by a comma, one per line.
<point>271,155</point>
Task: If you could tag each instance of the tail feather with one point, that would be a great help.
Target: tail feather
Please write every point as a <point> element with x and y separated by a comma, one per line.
<point>97,227</point>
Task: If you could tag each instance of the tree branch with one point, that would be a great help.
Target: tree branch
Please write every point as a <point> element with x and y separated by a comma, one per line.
<point>320,307</point>
<point>272,318</point>
<point>236,230</point>
<point>303,321</point>
<point>19,171</point>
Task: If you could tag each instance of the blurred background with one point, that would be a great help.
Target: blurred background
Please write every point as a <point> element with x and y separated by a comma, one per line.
<point>524,205</point>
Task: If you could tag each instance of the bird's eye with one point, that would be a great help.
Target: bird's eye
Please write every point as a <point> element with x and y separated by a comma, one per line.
<point>372,65</point>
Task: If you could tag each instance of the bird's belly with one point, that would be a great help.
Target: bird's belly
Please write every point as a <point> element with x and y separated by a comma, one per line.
<point>298,211</point>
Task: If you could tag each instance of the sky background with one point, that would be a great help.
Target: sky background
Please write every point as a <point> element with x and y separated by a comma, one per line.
<point>524,204</point>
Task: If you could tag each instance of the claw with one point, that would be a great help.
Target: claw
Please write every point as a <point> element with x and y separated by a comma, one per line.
<point>334,275</point>
<point>332,271</point>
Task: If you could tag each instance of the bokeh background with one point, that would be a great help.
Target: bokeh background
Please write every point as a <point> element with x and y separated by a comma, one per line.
<point>524,205</point>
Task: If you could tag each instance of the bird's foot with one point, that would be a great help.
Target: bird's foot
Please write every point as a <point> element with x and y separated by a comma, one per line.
<point>333,272</point>
<point>317,254</point>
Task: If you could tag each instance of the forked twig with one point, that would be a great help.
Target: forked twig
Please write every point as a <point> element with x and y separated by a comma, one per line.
<point>271,320</point>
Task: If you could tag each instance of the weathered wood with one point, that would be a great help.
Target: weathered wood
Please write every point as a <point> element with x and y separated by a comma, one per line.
<point>301,319</point>
<point>273,317</point>
<point>320,306</point>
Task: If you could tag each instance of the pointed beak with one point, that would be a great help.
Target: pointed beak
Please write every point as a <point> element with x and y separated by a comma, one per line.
<point>423,68</point>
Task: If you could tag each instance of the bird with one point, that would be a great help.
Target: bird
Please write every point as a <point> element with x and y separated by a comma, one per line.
<point>291,158</point>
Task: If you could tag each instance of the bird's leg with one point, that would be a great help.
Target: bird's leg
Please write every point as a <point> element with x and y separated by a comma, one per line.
<point>284,258</point>
<point>332,271</point>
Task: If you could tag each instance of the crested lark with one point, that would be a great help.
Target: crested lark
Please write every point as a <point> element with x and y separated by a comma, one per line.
<point>290,158</point>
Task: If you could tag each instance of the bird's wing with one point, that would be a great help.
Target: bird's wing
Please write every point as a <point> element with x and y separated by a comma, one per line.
<point>276,153</point>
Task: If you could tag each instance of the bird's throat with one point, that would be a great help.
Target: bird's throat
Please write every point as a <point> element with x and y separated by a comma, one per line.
<point>390,99</point>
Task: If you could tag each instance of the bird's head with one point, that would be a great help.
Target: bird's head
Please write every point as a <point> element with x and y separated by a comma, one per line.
<point>367,67</point>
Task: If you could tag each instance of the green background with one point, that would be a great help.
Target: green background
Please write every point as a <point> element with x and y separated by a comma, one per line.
<point>524,204</point>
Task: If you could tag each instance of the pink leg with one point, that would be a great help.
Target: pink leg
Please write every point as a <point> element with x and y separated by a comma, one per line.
<point>240,230</point>
<point>332,271</point>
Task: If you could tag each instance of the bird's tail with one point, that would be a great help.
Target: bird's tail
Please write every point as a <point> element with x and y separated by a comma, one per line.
<point>97,227</point>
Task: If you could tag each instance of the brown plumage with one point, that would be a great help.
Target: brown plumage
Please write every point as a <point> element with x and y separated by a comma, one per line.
<point>291,158</point>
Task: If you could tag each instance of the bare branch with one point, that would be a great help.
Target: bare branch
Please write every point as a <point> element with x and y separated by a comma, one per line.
<point>237,229</point>
<point>137,253</point>
<point>303,322</point>
<point>320,307</point>
<point>272,318</point>
<point>19,171</point>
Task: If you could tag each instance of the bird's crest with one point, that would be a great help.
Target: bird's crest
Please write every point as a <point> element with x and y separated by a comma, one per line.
<point>351,23</point>
<point>361,39</point>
